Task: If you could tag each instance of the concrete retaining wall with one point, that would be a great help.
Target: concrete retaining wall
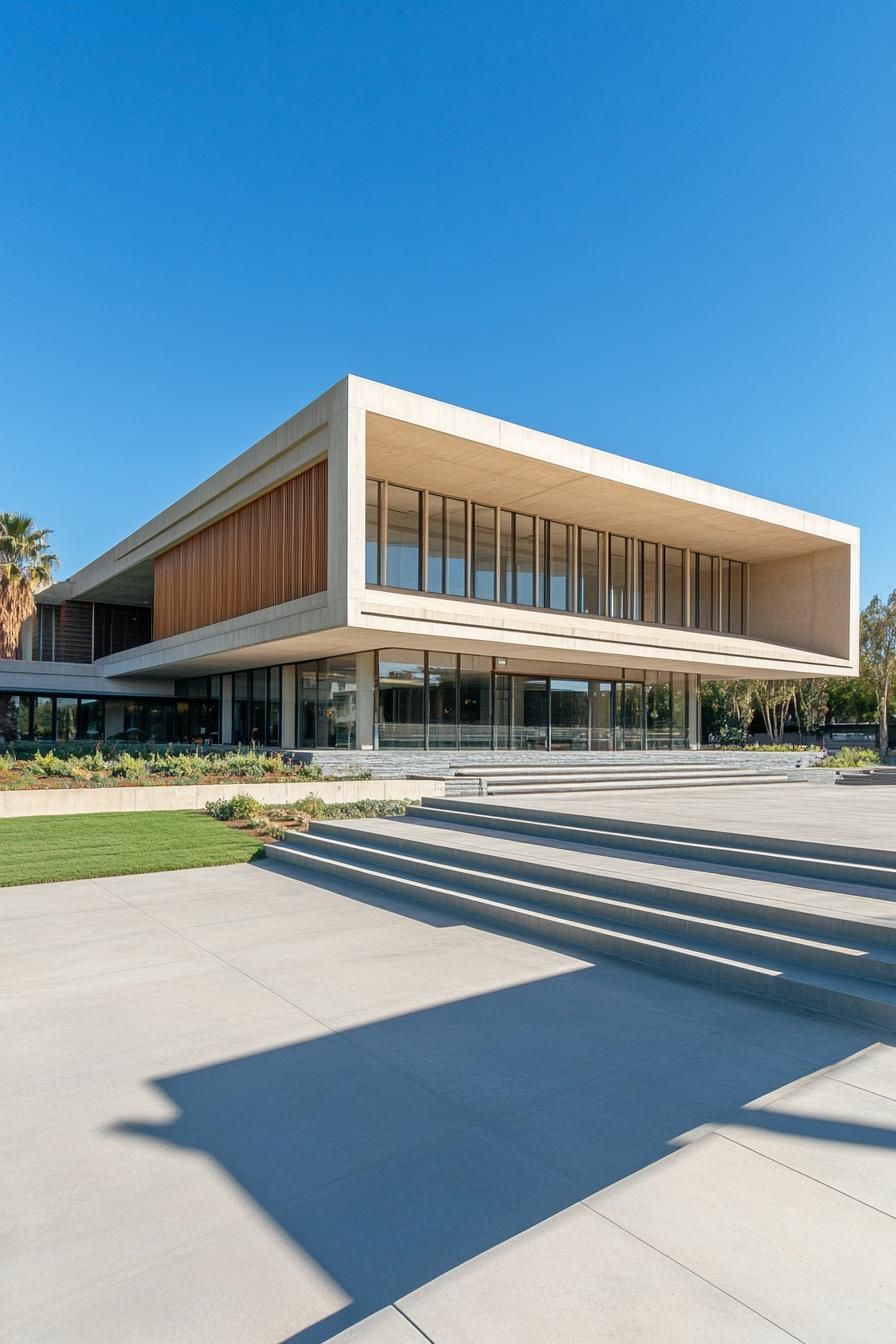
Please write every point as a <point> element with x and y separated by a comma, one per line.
<point>183,797</point>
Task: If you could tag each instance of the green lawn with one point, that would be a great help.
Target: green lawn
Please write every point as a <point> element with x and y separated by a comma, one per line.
<point>104,844</point>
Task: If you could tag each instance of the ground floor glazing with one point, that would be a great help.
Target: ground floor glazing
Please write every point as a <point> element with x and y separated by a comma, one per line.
<point>388,699</point>
<point>431,701</point>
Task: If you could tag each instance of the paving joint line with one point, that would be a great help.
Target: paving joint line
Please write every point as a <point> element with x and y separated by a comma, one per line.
<point>825,1185</point>
<point>690,1270</point>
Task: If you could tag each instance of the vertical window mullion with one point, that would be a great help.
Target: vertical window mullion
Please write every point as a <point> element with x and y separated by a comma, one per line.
<point>384,530</point>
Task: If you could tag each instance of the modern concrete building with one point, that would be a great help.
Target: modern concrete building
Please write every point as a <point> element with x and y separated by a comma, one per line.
<point>388,571</point>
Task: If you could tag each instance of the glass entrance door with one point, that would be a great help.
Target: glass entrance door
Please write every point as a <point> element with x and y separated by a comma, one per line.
<point>569,715</point>
<point>602,715</point>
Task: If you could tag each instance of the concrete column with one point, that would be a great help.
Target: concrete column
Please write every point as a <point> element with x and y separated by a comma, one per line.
<point>365,700</point>
<point>227,707</point>
<point>694,728</point>
<point>288,705</point>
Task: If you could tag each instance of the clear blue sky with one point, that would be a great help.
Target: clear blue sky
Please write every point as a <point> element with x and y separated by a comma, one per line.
<point>665,229</point>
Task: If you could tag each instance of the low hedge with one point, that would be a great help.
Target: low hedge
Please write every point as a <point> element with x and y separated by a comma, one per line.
<point>270,818</point>
<point>848,758</point>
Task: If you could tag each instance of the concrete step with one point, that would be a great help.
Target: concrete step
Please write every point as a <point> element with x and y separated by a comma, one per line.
<point>796,970</point>
<point>861,956</point>
<point>832,911</point>
<point>874,776</point>
<point>829,862</point>
<point>537,786</point>
<point>607,771</point>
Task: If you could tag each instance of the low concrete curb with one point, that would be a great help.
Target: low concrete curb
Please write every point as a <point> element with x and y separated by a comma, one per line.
<point>183,797</point>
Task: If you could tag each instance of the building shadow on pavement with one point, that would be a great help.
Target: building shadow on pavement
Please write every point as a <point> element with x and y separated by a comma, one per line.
<point>393,1151</point>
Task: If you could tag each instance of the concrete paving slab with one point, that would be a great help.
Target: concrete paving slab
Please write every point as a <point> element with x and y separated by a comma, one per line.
<point>349,978</point>
<point>402,1223</point>
<point>839,1135</point>
<point>840,816</point>
<point>383,1327</point>
<point>247,1281</point>
<point>359,1106</point>
<point>600,1130</point>
<point>873,1069</point>
<point>493,1052</point>
<point>576,1279</point>
<point>113,952</point>
<point>45,898</point>
<point>766,1235</point>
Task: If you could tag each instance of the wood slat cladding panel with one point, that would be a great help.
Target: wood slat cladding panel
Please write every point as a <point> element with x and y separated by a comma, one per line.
<point>271,550</point>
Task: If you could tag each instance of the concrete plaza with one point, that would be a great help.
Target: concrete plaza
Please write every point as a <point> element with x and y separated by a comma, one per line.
<point>239,1106</point>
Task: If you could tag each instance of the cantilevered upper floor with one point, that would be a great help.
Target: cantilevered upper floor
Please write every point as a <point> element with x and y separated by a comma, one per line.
<point>376,517</point>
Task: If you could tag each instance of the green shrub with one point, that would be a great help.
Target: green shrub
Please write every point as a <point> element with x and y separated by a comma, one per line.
<point>314,808</point>
<point>7,760</point>
<point>850,757</point>
<point>46,764</point>
<point>239,808</point>
<point>94,761</point>
<point>778,746</point>
<point>128,766</point>
<point>182,765</point>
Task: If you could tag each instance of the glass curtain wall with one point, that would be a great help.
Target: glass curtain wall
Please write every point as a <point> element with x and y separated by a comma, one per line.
<point>556,541</point>
<point>403,519</point>
<point>442,693</point>
<point>484,539</point>
<point>517,558</point>
<point>446,558</point>
<point>590,595</point>
<point>443,702</point>
<point>673,586</point>
<point>401,684</point>
<point>256,707</point>
<point>569,715</point>
<point>649,573</point>
<point>326,703</point>
<point>90,718</point>
<point>620,586</point>
<point>603,695</point>
<point>475,550</point>
<point>630,724</point>
<point>705,613</point>
<point>521,718</point>
<point>475,702</point>
<point>372,535</point>
<point>733,596</point>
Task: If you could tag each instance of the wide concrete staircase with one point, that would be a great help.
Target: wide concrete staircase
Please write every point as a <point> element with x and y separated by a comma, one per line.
<point>874,774</point>
<point>563,776</point>
<point>804,924</point>
<point>471,764</point>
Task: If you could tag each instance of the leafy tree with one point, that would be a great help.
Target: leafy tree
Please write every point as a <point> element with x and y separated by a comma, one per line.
<point>727,711</point>
<point>878,656</point>
<point>851,700</point>
<point>26,566</point>
<point>812,705</point>
<point>774,699</point>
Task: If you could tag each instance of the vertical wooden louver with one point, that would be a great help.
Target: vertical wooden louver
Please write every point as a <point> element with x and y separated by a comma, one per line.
<point>269,551</point>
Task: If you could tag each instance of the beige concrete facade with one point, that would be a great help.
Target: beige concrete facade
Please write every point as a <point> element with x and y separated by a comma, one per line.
<point>803,599</point>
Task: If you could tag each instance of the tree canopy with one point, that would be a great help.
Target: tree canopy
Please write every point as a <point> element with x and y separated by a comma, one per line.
<point>26,566</point>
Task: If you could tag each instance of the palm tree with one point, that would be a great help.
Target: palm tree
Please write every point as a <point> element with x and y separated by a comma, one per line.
<point>26,566</point>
